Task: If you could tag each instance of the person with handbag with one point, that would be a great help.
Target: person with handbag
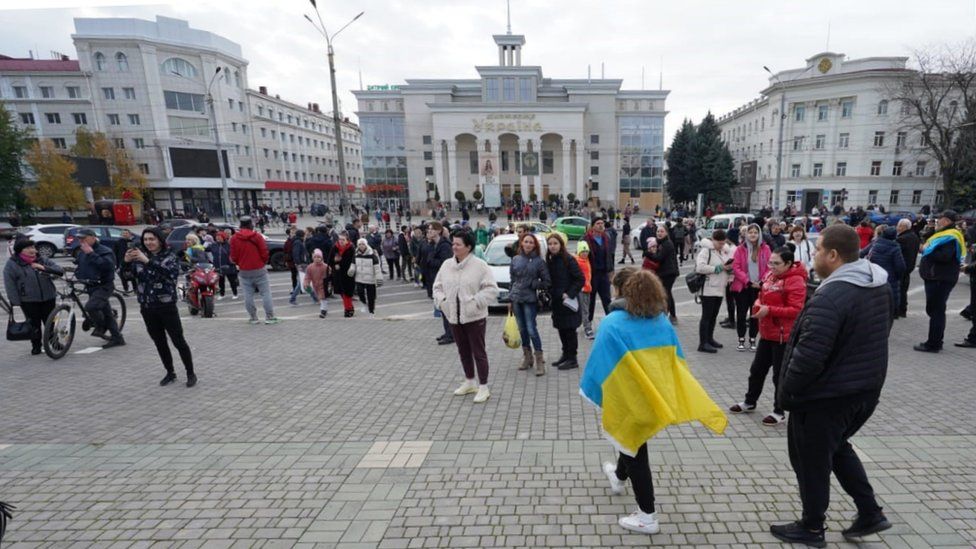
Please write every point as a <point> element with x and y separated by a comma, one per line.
<point>714,262</point>
<point>529,274</point>
<point>29,287</point>
<point>342,261</point>
<point>220,250</point>
<point>463,289</point>
<point>566,284</point>
<point>369,275</point>
<point>155,271</point>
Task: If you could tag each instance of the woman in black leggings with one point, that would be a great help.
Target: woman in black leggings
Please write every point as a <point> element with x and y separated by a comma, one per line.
<point>749,266</point>
<point>667,259</point>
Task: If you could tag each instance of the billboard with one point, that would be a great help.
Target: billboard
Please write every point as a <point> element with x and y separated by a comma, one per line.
<point>196,162</point>
<point>747,176</point>
<point>90,172</point>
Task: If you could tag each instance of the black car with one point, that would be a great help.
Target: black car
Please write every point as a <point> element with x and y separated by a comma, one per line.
<point>108,235</point>
<point>276,248</point>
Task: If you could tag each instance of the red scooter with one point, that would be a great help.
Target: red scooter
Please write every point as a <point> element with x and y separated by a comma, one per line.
<point>202,287</point>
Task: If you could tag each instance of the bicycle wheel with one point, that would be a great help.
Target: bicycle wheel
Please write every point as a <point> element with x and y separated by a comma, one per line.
<point>118,309</point>
<point>59,331</point>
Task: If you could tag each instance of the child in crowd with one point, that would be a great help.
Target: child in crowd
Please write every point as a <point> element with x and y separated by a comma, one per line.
<point>315,275</point>
<point>582,258</point>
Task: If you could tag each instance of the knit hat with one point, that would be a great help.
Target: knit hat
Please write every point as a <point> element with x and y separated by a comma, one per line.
<point>317,253</point>
<point>582,247</point>
<point>22,243</point>
<point>362,242</point>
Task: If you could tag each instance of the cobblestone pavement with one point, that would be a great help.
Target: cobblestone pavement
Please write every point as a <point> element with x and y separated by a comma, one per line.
<point>344,433</point>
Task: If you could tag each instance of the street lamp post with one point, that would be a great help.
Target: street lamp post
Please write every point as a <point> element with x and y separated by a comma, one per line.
<point>220,154</point>
<point>336,118</point>
<point>779,148</point>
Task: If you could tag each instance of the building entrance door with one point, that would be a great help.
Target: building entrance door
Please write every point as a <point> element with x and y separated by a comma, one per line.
<point>811,199</point>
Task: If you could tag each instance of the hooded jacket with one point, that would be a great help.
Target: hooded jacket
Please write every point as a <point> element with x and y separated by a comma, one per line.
<point>156,280</point>
<point>886,253</point>
<point>784,296</point>
<point>248,250</point>
<point>838,351</point>
<point>367,266</point>
<point>706,261</point>
<point>740,264</point>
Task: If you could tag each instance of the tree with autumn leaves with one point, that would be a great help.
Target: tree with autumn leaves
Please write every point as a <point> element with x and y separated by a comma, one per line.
<point>56,186</point>
<point>125,175</point>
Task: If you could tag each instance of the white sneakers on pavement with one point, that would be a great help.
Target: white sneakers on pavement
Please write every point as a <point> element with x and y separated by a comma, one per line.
<point>616,485</point>
<point>645,523</point>
<point>466,388</point>
<point>482,395</point>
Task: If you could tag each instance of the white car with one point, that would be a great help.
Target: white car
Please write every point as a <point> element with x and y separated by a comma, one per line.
<point>499,263</point>
<point>637,231</point>
<point>724,222</point>
<point>48,238</point>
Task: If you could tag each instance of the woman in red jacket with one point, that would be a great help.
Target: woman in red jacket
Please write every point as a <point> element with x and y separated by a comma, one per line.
<point>781,298</point>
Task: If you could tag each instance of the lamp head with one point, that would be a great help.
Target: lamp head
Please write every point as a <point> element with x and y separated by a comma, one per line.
<point>218,70</point>
<point>313,4</point>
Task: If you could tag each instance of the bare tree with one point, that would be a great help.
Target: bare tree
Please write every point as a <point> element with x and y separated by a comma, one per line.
<point>938,102</point>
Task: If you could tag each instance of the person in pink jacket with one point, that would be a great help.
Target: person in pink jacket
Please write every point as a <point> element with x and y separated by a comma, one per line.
<point>749,266</point>
<point>315,275</point>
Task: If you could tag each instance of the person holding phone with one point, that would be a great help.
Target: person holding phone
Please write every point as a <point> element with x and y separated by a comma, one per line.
<point>713,262</point>
<point>751,260</point>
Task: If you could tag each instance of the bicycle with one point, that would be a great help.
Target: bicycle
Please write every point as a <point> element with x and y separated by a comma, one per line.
<point>59,328</point>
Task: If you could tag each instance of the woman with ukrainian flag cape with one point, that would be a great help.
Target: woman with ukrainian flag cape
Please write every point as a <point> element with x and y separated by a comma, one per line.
<point>637,375</point>
<point>939,267</point>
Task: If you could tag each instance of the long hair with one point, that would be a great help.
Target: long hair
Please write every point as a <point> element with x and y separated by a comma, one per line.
<point>158,233</point>
<point>535,241</point>
<point>753,250</point>
<point>645,294</point>
<point>563,254</point>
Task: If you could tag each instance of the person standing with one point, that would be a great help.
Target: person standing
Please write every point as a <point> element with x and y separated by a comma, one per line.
<point>666,257</point>
<point>249,252</point>
<point>342,260</point>
<point>678,234</point>
<point>299,257</point>
<point>220,252</point>
<point>528,275</point>
<point>886,253</point>
<point>802,248</point>
<point>28,287</point>
<point>119,247</point>
<point>714,260</point>
<point>368,275</point>
<point>437,251</point>
<point>96,266</point>
<point>566,284</point>
<point>315,276</point>
<point>391,252</point>
<point>970,269</point>
<point>909,243</point>
<point>582,259</point>
<point>601,265</point>
<point>865,233</point>
<point>942,256</point>
<point>781,298</point>
<point>406,260</point>
<point>625,236</point>
<point>749,267</point>
<point>834,368</point>
<point>463,289</point>
<point>155,270</point>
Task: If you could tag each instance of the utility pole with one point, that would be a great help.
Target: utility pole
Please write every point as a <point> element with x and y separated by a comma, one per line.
<point>228,209</point>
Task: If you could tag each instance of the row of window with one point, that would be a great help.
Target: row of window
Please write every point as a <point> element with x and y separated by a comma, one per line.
<point>299,176</point>
<point>47,92</point>
<point>307,141</point>
<point>840,169</point>
<point>80,118</point>
<point>894,197</point>
<point>295,157</point>
<point>526,91</point>
<point>800,113</point>
<point>820,143</point>
<point>294,119</point>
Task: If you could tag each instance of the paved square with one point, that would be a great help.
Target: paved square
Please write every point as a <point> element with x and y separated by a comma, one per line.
<point>345,433</point>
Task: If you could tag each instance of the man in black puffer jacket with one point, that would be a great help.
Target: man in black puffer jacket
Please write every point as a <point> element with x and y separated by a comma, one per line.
<point>833,370</point>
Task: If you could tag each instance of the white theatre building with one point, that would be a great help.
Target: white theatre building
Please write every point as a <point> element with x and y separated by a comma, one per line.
<point>840,133</point>
<point>512,130</point>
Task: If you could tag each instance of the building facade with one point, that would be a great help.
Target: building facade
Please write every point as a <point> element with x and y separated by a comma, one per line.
<point>513,133</point>
<point>840,134</point>
<point>146,84</point>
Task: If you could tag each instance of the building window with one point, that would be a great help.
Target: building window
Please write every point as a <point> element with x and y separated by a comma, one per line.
<point>822,112</point>
<point>883,107</point>
<point>818,169</point>
<point>901,139</point>
<point>525,89</point>
<point>237,78</point>
<point>792,197</point>
<point>896,168</point>
<point>74,92</point>
<point>109,93</point>
<point>119,142</point>
<point>429,171</point>
<point>182,101</point>
<point>240,107</point>
<point>427,140</point>
<point>428,155</point>
<point>548,162</point>
<point>876,168</point>
<point>846,109</point>
<point>893,197</point>
<point>594,139</point>
<point>491,89</point>
<point>508,89</point>
<point>122,61</point>
<point>795,170</point>
<point>798,143</point>
<point>47,92</point>
<point>594,170</point>
<point>473,162</point>
<point>920,168</point>
<point>230,105</point>
<point>133,119</point>
<point>916,198</point>
<point>53,118</point>
<point>113,120</point>
<point>939,198</point>
<point>99,61</point>
<point>879,139</point>
<point>820,141</point>
<point>59,143</point>
<point>844,141</point>
<point>144,168</point>
<point>594,156</point>
<point>240,171</point>
<point>799,112</point>
<point>130,93</point>
<point>27,118</point>
<point>841,170</point>
<point>174,66</point>
<point>872,197</point>
<point>139,143</point>
<point>81,118</point>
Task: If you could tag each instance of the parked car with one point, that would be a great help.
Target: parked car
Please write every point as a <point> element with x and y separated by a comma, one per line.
<point>49,238</point>
<point>572,227</point>
<point>724,222</point>
<point>895,217</point>
<point>499,263</point>
<point>635,232</point>
<point>276,248</point>
<point>7,230</point>
<point>107,235</point>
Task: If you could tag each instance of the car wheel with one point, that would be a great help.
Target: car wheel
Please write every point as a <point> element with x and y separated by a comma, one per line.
<point>277,261</point>
<point>46,250</point>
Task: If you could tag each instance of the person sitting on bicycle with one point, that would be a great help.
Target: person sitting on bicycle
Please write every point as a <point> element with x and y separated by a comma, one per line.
<point>29,289</point>
<point>96,266</point>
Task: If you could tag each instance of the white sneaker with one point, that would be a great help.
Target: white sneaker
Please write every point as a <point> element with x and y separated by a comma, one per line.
<point>220,298</point>
<point>364,309</point>
<point>235,297</point>
<point>616,485</point>
<point>482,395</point>
<point>468,387</point>
<point>645,523</point>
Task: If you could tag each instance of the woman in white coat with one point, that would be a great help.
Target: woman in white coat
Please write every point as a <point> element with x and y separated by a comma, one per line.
<point>714,260</point>
<point>463,290</point>
<point>368,274</point>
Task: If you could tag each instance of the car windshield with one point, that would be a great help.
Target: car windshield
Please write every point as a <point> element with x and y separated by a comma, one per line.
<point>495,254</point>
<point>717,224</point>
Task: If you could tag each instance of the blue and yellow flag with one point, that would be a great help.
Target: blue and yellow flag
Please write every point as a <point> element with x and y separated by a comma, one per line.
<point>638,376</point>
<point>943,236</point>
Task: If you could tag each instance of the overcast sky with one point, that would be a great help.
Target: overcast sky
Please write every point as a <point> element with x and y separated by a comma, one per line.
<point>713,51</point>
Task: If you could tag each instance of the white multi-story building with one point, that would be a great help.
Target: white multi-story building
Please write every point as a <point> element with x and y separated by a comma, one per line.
<point>145,85</point>
<point>840,134</point>
<point>587,137</point>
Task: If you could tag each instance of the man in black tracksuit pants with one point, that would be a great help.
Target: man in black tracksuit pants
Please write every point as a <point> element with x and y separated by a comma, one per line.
<point>833,370</point>
<point>601,264</point>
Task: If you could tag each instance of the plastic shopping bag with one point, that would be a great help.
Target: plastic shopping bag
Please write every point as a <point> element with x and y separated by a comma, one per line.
<point>511,335</point>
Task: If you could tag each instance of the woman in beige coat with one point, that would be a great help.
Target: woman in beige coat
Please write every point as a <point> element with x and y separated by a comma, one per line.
<point>714,260</point>
<point>463,290</point>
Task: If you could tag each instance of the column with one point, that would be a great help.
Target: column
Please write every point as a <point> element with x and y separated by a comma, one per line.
<point>447,192</point>
<point>566,167</point>
<point>537,180</point>
<point>523,146</point>
<point>580,176</point>
<point>438,178</point>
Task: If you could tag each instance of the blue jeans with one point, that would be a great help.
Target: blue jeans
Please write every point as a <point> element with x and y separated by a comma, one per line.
<point>525,314</point>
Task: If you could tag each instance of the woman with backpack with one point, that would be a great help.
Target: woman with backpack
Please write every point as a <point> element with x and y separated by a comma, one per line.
<point>781,298</point>
<point>567,282</point>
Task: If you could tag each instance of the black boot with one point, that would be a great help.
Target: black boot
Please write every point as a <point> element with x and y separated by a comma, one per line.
<point>562,358</point>
<point>796,532</point>
<point>568,364</point>
<point>191,379</point>
<point>170,378</point>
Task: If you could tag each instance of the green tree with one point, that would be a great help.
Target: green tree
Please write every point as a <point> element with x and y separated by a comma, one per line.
<point>476,195</point>
<point>123,172</point>
<point>56,186</point>
<point>571,197</point>
<point>13,144</point>
<point>716,169</point>
<point>459,196</point>
<point>682,173</point>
